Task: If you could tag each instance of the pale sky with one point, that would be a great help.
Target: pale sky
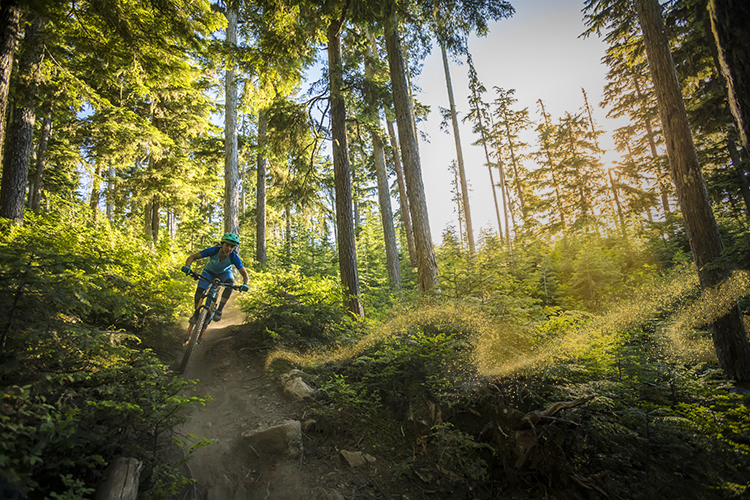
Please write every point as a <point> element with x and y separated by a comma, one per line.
<point>538,53</point>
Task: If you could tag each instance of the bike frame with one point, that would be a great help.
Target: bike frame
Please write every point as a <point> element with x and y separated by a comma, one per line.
<point>204,314</point>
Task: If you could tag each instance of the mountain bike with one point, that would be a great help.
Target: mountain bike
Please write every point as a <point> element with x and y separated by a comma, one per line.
<point>202,316</point>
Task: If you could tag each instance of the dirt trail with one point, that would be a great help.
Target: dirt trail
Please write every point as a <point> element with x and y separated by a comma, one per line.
<point>229,369</point>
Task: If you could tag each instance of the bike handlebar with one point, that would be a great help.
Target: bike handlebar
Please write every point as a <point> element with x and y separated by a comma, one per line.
<point>216,281</point>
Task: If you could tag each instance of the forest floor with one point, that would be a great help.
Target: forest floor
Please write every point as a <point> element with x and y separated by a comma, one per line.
<point>229,368</point>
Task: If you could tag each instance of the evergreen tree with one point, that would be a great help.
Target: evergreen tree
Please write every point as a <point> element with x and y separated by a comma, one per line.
<point>729,21</point>
<point>479,114</point>
<point>506,127</point>
<point>730,340</point>
<point>426,263</point>
<point>20,133</point>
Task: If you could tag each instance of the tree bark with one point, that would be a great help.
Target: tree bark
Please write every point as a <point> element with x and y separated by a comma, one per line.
<point>384,192</point>
<point>403,198</point>
<point>739,173</point>
<point>111,194</point>
<point>730,25</point>
<point>10,28</point>
<point>728,332</point>
<point>231,167</point>
<point>347,247</point>
<point>20,135</point>
<point>41,164</point>
<point>155,218</point>
<point>96,189</point>
<point>652,147</point>
<point>260,204</point>
<point>459,153</point>
<point>427,269</point>
<point>148,220</point>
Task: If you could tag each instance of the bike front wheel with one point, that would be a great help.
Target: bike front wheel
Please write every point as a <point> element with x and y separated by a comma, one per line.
<point>195,331</point>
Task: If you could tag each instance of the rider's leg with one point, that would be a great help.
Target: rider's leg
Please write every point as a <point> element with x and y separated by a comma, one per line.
<point>224,298</point>
<point>199,294</point>
<point>200,291</point>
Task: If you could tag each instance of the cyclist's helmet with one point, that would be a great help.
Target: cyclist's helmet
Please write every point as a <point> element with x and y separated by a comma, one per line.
<point>231,238</point>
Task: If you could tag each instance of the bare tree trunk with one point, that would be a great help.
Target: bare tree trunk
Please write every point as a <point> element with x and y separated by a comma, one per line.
<point>730,25</point>
<point>231,167</point>
<point>155,218</point>
<point>427,269</point>
<point>111,194</point>
<point>384,194</point>
<point>148,220</point>
<point>260,205</point>
<point>171,223</point>
<point>96,191</point>
<point>20,135</point>
<point>41,163</point>
<point>403,198</point>
<point>347,247</point>
<point>730,340</point>
<point>459,153</point>
<point>10,32</point>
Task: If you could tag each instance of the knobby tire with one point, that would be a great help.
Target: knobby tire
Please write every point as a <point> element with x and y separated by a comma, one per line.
<point>194,334</point>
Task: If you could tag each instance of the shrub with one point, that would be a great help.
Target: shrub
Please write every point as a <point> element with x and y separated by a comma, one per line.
<point>295,310</point>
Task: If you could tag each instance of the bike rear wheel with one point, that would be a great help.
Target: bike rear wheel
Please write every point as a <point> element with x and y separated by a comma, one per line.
<point>193,340</point>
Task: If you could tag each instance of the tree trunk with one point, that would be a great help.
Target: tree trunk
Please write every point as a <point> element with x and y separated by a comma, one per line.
<point>347,247</point>
<point>111,194</point>
<point>231,167</point>
<point>652,147</point>
<point>96,191</point>
<point>155,218</point>
<point>41,163</point>
<point>403,198</point>
<point>506,197</point>
<point>459,153</point>
<point>730,340</point>
<point>10,27</point>
<point>617,204</point>
<point>20,135</point>
<point>741,177</point>
<point>483,130</point>
<point>384,192</point>
<point>730,25</point>
<point>148,220</point>
<point>551,164</point>
<point>427,269</point>
<point>260,204</point>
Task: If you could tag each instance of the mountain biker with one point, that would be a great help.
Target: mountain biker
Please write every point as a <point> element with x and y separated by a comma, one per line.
<point>223,257</point>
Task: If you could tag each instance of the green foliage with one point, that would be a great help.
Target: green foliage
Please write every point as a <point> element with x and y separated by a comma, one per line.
<point>660,427</point>
<point>456,453</point>
<point>61,266</point>
<point>76,389</point>
<point>87,399</point>
<point>293,309</point>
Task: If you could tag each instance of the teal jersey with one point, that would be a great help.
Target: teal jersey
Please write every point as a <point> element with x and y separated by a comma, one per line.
<point>216,266</point>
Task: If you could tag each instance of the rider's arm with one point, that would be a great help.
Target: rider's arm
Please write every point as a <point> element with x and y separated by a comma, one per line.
<point>243,272</point>
<point>193,258</point>
<point>208,252</point>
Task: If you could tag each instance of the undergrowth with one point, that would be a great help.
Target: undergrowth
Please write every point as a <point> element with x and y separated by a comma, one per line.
<point>77,386</point>
<point>570,405</point>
